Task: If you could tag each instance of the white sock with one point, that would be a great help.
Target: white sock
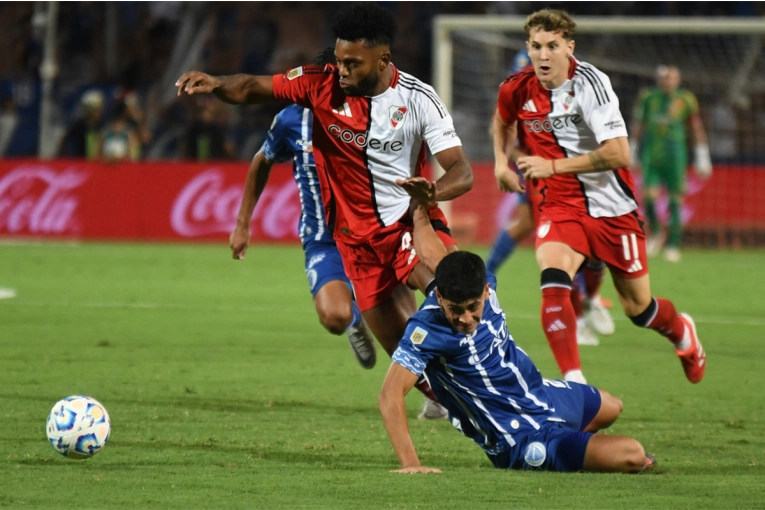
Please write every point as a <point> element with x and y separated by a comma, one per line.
<point>685,343</point>
<point>575,376</point>
<point>580,322</point>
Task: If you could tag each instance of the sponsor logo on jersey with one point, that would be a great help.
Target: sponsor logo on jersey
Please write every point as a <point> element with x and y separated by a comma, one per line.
<point>529,106</point>
<point>397,116</point>
<point>418,335</point>
<point>294,73</point>
<point>544,228</point>
<point>361,140</point>
<point>537,126</point>
<point>343,111</point>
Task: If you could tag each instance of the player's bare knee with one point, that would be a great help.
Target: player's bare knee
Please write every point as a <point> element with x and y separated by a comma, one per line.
<point>634,456</point>
<point>335,320</point>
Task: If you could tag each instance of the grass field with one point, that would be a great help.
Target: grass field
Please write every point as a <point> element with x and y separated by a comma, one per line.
<point>224,391</point>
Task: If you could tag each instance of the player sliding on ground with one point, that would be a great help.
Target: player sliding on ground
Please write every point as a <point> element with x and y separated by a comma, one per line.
<point>493,391</point>
<point>567,115</point>
<point>290,139</point>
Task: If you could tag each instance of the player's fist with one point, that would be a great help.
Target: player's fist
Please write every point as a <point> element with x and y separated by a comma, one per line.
<point>703,161</point>
<point>239,241</point>
<point>508,180</point>
<point>197,82</point>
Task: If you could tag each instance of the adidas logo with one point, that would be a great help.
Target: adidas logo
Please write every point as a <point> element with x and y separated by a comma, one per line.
<point>343,111</point>
<point>636,266</point>
<point>529,106</point>
<point>556,326</point>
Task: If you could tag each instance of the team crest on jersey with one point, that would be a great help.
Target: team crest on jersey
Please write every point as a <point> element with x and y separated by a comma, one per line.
<point>294,73</point>
<point>397,116</point>
<point>567,100</point>
<point>418,335</point>
<point>544,228</point>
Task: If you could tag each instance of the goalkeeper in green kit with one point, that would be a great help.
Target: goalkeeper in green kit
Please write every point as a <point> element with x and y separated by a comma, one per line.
<point>661,117</point>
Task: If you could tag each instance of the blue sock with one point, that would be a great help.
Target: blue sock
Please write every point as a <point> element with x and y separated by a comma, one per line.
<point>357,317</point>
<point>502,249</point>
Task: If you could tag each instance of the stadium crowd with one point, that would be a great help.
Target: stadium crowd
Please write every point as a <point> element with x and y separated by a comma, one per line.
<point>116,59</point>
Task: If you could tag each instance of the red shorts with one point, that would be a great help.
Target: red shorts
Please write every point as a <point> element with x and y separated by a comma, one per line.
<point>618,241</point>
<point>387,259</point>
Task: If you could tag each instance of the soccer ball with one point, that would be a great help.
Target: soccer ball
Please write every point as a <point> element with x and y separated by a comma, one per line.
<point>78,427</point>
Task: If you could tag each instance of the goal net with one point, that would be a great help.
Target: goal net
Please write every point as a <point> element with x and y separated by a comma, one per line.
<point>722,62</point>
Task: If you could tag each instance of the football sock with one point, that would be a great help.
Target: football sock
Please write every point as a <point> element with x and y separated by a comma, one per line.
<point>593,273</point>
<point>423,387</point>
<point>662,317</point>
<point>650,212</point>
<point>502,249</point>
<point>559,320</point>
<point>575,376</point>
<point>356,319</point>
<point>675,224</point>
<point>576,303</point>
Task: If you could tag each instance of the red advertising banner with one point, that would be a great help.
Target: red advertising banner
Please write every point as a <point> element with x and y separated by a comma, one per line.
<point>197,201</point>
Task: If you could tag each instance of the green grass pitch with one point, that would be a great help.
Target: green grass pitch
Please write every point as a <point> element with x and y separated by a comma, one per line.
<point>224,390</point>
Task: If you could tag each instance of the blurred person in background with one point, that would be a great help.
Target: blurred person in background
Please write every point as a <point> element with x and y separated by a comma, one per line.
<point>662,116</point>
<point>119,139</point>
<point>82,137</point>
<point>205,139</point>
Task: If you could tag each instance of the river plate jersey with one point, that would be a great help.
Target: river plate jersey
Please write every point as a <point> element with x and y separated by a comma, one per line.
<point>363,144</point>
<point>290,139</point>
<point>664,118</point>
<point>493,391</point>
<point>570,121</point>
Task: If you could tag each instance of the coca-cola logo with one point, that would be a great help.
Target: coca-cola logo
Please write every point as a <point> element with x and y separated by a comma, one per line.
<point>207,205</point>
<point>37,199</point>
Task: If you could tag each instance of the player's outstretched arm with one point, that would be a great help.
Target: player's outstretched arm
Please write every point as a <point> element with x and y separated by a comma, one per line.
<point>428,246</point>
<point>397,384</point>
<point>234,89</point>
<point>503,138</point>
<point>612,154</point>
<point>254,184</point>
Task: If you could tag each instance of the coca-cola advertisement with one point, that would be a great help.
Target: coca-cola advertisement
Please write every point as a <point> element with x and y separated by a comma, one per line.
<point>140,201</point>
<point>171,201</point>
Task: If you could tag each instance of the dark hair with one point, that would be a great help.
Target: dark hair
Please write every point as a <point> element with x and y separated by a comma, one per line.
<point>461,276</point>
<point>368,21</point>
<point>325,56</point>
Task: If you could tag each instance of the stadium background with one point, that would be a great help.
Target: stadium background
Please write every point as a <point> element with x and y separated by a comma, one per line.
<point>193,150</point>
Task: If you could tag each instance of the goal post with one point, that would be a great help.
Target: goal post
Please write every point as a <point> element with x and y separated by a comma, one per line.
<point>722,61</point>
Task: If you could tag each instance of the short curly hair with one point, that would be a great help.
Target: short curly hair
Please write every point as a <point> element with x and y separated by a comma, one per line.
<point>551,20</point>
<point>367,21</point>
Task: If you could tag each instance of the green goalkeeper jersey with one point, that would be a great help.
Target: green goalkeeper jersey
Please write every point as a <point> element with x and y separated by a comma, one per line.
<point>664,118</point>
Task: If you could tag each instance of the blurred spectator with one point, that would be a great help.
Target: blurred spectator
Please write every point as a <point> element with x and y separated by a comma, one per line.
<point>119,139</point>
<point>206,138</point>
<point>81,139</point>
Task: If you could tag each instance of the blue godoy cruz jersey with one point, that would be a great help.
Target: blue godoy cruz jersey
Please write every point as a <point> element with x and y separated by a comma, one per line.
<point>290,139</point>
<point>492,389</point>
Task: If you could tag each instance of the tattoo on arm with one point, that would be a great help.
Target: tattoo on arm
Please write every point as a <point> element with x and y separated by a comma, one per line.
<point>598,161</point>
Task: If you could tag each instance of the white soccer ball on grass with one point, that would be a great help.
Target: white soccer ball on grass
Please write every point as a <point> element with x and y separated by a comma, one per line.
<point>78,427</point>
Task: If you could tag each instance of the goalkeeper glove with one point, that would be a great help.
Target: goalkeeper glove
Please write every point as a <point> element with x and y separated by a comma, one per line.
<point>703,161</point>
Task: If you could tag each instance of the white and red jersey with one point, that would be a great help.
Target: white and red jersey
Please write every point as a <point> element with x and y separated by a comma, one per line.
<point>570,121</point>
<point>363,144</point>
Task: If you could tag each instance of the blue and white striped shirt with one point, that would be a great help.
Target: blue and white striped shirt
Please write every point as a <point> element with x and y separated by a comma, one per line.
<point>290,138</point>
<point>492,389</point>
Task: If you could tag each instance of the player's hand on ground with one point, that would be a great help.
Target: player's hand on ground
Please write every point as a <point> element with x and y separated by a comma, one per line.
<point>508,180</point>
<point>239,241</point>
<point>416,469</point>
<point>419,188</point>
<point>534,167</point>
<point>197,82</point>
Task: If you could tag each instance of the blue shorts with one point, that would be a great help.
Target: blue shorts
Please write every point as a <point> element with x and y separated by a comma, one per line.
<point>323,265</point>
<point>576,404</point>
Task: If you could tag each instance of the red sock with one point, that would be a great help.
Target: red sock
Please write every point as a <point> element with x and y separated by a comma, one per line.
<point>576,303</point>
<point>424,387</point>
<point>662,317</point>
<point>593,278</point>
<point>559,324</point>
